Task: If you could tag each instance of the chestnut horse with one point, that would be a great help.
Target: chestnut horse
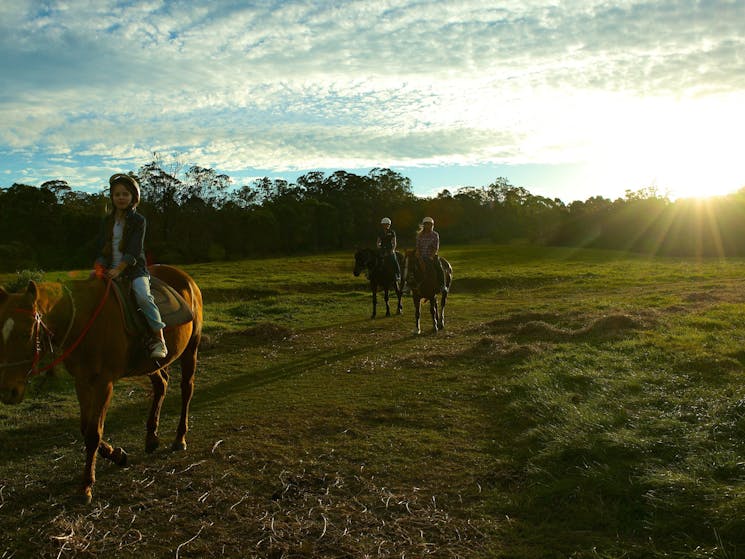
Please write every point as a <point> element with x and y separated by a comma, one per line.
<point>381,275</point>
<point>424,284</point>
<point>83,323</point>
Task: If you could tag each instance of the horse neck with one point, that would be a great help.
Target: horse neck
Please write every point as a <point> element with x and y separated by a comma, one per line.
<point>73,302</point>
<point>427,277</point>
<point>371,259</point>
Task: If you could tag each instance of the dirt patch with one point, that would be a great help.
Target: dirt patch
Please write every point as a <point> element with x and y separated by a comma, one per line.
<point>266,332</point>
<point>606,326</point>
<point>498,348</point>
<point>701,297</point>
<point>711,367</point>
<point>508,324</point>
<point>611,323</point>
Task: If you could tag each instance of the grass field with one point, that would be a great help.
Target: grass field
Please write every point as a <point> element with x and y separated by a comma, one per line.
<point>579,404</point>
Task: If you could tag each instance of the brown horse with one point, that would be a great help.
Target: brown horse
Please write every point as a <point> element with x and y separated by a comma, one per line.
<point>424,284</point>
<point>83,322</point>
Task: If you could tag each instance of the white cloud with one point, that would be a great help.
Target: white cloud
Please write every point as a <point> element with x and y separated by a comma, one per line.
<point>301,84</point>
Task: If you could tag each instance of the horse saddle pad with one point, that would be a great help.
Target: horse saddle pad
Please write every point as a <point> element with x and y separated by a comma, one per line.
<point>174,310</point>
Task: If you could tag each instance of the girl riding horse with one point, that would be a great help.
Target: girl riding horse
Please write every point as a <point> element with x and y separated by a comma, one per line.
<point>121,253</point>
<point>386,243</point>
<point>427,248</point>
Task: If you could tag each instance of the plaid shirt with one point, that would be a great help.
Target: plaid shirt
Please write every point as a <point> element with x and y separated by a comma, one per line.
<point>427,244</point>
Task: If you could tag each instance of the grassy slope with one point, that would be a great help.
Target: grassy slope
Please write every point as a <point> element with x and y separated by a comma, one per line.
<point>579,404</point>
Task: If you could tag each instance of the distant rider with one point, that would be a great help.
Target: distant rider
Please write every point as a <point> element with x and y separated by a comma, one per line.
<point>427,247</point>
<point>386,244</point>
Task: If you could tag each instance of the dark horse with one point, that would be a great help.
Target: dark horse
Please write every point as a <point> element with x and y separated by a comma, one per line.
<point>82,321</point>
<point>379,271</point>
<point>424,284</point>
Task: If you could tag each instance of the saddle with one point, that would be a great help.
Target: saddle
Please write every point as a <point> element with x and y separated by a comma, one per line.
<point>422,271</point>
<point>174,311</point>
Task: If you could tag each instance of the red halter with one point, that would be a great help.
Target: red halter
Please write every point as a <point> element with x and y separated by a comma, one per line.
<point>41,333</point>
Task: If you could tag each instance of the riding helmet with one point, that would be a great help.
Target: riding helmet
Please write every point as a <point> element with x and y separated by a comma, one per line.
<point>428,220</point>
<point>129,182</point>
<point>385,221</point>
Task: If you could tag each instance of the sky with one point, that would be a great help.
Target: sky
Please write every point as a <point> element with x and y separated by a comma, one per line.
<point>567,99</point>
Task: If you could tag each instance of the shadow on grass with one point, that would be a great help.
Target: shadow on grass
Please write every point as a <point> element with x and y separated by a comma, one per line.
<point>38,437</point>
<point>228,294</point>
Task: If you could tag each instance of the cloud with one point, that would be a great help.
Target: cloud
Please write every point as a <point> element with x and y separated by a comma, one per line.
<point>301,84</point>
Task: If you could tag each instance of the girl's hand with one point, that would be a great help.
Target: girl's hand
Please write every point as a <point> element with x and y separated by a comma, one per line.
<point>114,273</point>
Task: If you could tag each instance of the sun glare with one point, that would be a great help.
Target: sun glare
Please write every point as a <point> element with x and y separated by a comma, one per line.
<point>685,148</point>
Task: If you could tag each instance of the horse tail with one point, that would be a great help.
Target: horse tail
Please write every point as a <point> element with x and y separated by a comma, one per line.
<point>446,267</point>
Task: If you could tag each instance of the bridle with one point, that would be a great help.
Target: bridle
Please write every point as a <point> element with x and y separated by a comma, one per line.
<point>42,335</point>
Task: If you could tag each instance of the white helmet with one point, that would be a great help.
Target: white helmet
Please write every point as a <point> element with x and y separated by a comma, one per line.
<point>428,220</point>
<point>385,221</point>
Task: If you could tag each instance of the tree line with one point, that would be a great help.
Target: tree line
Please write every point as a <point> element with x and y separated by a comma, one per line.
<point>197,215</point>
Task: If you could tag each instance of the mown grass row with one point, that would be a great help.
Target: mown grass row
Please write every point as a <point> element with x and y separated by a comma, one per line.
<point>578,404</point>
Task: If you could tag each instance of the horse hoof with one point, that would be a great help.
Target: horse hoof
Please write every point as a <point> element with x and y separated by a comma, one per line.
<point>119,457</point>
<point>178,446</point>
<point>416,331</point>
<point>151,445</point>
<point>87,496</point>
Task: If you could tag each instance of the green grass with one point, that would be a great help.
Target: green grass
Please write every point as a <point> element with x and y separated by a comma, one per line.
<point>579,404</point>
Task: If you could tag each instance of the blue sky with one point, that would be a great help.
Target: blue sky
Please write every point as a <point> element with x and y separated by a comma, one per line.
<point>566,99</point>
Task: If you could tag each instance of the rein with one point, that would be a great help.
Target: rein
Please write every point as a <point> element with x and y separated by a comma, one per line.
<point>41,333</point>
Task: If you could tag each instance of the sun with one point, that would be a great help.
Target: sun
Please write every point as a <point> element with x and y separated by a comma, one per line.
<point>685,148</point>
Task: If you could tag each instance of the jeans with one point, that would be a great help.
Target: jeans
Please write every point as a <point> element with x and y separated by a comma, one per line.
<point>141,289</point>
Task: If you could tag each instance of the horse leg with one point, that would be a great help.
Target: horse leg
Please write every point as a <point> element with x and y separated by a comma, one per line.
<point>433,312</point>
<point>417,315</point>
<point>387,306</point>
<point>94,401</point>
<point>159,381</point>
<point>441,320</point>
<point>374,300</point>
<point>399,294</point>
<point>188,368</point>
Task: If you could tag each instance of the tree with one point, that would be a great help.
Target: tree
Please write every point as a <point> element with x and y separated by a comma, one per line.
<point>58,186</point>
<point>205,184</point>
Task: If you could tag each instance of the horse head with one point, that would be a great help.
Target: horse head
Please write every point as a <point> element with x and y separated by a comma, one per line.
<point>19,321</point>
<point>362,261</point>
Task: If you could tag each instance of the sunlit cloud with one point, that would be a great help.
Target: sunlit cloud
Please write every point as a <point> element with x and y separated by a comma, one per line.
<point>634,91</point>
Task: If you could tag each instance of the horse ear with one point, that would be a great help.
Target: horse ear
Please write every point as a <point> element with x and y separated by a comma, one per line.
<point>3,294</point>
<point>32,291</point>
